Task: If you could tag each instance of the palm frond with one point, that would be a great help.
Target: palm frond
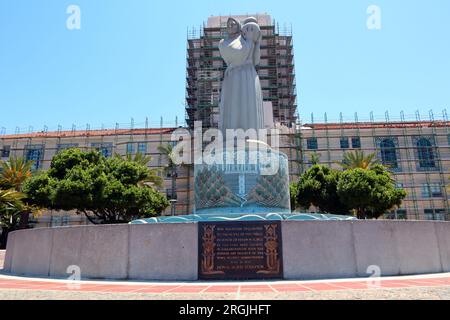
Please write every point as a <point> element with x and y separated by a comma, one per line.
<point>11,199</point>
<point>358,159</point>
<point>14,172</point>
<point>167,150</point>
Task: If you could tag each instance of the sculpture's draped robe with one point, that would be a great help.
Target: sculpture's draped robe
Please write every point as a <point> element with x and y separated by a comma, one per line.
<point>241,103</point>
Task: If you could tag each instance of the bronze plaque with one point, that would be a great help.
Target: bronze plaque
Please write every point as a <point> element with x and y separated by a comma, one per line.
<point>240,250</point>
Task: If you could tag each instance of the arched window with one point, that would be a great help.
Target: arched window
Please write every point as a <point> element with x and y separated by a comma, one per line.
<point>388,153</point>
<point>425,153</point>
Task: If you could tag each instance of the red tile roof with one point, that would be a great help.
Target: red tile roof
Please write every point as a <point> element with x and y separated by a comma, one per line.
<point>378,125</point>
<point>154,131</point>
<point>89,133</point>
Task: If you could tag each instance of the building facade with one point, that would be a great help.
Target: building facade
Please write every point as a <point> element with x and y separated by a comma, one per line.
<point>40,147</point>
<point>417,153</point>
<point>205,71</point>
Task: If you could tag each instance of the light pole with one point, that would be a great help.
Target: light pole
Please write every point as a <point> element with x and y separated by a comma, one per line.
<point>173,203</point>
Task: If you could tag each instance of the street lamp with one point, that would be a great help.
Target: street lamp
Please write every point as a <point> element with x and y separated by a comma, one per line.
<point>173,203</point>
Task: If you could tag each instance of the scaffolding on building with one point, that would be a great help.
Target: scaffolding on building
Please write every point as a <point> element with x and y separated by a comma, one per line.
<point>41,146</point>
<point>205,71</point>
<point>405,131</point>
<point>426,184</point>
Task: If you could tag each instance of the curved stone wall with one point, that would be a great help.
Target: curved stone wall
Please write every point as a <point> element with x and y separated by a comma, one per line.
<point>311,250</point>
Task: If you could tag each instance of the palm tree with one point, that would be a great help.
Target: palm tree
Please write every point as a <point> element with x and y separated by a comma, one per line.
<point>11,213</point>
<point>358,159</point>
<point>140,158</point>
<point>14,172</point>
<point>171,169</point>
<point>10,199</point>
<point>315,158</point>
<point>153,178</point>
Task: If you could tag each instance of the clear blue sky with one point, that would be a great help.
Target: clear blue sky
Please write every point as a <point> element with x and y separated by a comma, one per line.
<point>128,59</point>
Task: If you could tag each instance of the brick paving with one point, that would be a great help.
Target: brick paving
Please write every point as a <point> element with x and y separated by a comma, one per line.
<point>405,288</point>
<point>423,287</point>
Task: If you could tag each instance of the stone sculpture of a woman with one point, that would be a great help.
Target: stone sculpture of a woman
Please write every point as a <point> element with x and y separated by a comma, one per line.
<point>241,105</point>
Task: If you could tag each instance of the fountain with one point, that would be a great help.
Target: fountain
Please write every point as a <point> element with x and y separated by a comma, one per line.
<point>247,179</point>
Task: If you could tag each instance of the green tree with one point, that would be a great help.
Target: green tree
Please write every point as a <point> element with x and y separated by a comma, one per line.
<point>370,193</point>
<point>16,210</point>
<point>153,178</point>
<point>318,187</point>
<point>14,172</point>
<point>358,159</point>
<point>315,158</point>
<point>293,195</point>
<point>105,190</point>
<point>171,169</point>
<point>11,208</point>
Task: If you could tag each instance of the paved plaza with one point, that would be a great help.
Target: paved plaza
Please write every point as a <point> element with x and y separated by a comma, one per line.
<point>435,286</point>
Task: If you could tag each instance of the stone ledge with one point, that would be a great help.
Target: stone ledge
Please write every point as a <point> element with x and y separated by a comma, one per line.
<point>311,250</point>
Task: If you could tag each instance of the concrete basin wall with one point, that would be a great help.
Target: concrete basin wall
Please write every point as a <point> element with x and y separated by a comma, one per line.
<point>341,249</point>
<point>311,250</point>
<point>151,252</point>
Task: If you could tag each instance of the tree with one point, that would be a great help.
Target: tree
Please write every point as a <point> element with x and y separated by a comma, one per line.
<point>366,193</point>
<point>14,172</point>
<point>369,192</point>
<point>293,187</point>
<point>11,207</point>
<point>153,178</point>
<point>358,159</point>
<point>171,168</point>
<point>105,190</point>
<point>15,210</point>
<point>318,187</point>
<point>315,158</point>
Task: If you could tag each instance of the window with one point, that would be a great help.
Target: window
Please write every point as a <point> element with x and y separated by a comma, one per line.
<point>104,148</point>
<point>55,221</point>
<point>389,153</point>
<point>344,143</point>
<point>65,221</point>
<point>34,153</point>
<point>425,153</point>
<point>435,214</point>
<point>130,148</point>
<point>312,143</point>
<point>426,191</point>
<point>356,142</point>
<point>65,146</point>
<point>436,190</point>
<point>432,190</point>
<point>429,214</point>
<point>399,185</point>
<point>59,221</point>
<point>142,147</point>
<point>400,214</point>
<point>439,214</point>
<point>6,151</point>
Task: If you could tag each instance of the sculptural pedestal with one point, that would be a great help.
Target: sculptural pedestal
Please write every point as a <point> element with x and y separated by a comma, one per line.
<point>243,182</point>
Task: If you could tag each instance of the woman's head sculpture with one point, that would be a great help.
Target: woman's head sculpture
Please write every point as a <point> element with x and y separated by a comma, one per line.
<point>233,27</point>
<point>251,31</point>
<point>250,19</point>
